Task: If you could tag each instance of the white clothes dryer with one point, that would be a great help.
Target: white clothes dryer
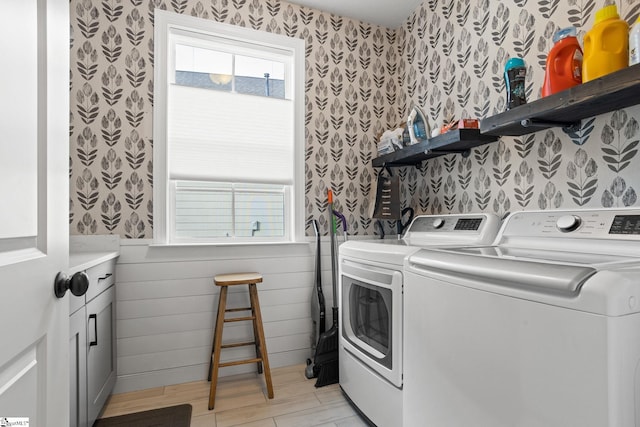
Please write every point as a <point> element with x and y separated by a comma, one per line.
<point>371,306</point>
<point>540,329</point>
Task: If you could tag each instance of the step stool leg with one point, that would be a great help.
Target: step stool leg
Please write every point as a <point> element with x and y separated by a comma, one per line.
<point>217,344</point>
<point>261,342</point>
<point>256,338</point>
<point>215,328</point>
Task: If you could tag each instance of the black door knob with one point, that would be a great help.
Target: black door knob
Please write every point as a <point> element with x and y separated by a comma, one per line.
<point>77,284</point>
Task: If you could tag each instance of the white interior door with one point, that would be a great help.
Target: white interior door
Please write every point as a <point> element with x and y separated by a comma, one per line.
<point>34,194</point>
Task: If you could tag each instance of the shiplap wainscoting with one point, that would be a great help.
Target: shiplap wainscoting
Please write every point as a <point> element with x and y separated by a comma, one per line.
<point>166,303</point>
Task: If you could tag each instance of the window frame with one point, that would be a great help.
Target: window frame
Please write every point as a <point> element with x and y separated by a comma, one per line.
<point>162,197</point>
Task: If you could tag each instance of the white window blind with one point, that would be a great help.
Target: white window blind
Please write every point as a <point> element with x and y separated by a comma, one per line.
<point>214,210</point>
<point>221,136</point>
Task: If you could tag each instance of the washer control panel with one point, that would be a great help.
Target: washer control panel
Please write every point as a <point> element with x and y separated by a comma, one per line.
<point>604,223</point>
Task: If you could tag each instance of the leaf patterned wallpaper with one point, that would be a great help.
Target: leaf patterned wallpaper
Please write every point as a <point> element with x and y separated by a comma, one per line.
<point>360,80</point>
<point>453,55</point>
<point>350,90</point>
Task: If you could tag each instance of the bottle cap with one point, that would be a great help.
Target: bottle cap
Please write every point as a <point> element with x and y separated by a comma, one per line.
<point>514,63</point>
<point>564,33</point>
<point>607,12</point>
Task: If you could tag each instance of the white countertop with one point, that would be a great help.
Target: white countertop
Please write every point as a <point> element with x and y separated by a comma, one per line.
<point>83,260</point>
<point>89,251</point>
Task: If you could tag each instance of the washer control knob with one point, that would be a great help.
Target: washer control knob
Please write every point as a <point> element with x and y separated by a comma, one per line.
<point>438,223</point>
<point>567,223</point>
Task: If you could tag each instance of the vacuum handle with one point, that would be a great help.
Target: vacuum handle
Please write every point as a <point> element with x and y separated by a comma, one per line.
<point>318,282</point>
<point>316,229</point>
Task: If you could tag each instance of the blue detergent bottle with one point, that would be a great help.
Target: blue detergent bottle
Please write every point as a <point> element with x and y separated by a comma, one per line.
<point>515,73</point>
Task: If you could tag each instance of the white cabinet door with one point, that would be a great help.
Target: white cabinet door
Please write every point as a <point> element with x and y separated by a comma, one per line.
<point>34,193</point>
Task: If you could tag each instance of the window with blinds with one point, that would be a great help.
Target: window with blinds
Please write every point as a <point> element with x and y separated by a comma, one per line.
<point>231,133</point>
<point>222,210</point>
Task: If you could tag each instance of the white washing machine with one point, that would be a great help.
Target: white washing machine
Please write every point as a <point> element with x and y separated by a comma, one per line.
<point>371,305</point>
<point>541,329</point>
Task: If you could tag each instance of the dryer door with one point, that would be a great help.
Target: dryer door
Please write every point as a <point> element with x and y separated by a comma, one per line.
<point>371,324</point>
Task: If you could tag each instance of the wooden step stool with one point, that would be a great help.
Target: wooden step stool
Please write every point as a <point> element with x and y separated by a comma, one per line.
<point>262,359</point>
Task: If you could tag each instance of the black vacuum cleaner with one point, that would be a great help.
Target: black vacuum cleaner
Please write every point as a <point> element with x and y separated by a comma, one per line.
<point>318,312</point>
<point>325,362</point>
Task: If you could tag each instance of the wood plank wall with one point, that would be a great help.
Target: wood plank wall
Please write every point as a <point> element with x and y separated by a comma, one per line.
<point>166,303</point>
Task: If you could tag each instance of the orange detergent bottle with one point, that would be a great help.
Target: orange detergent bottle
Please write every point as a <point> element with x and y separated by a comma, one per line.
<point>606,45</point>
<point>564,63</point>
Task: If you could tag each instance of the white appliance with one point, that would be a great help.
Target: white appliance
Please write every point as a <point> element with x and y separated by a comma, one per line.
<point>371,304</point>
<point>541,329</point>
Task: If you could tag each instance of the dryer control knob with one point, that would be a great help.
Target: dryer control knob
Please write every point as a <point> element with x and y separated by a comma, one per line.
<point>438,223</point>
<point>567,223</point>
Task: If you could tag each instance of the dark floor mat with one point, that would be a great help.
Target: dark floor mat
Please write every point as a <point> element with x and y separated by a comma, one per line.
<point>173,416</point>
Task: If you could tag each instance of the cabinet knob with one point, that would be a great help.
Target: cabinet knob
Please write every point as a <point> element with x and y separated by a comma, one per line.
<point>77,284</point>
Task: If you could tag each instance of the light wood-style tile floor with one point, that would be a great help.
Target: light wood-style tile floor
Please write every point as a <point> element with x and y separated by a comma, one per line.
<point>241,401</point>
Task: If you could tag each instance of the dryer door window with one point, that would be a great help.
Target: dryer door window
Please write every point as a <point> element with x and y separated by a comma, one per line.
<point>370,316</point>
<point>367,319</point>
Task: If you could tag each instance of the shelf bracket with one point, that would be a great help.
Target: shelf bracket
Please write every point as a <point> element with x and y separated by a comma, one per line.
<point>386,167</point>
<point>533,123</point>
<point>464,153</point>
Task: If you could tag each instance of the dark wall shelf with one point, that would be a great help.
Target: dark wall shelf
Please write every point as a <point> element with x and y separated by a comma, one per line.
<point>565,109</point>
<point>454,141</point>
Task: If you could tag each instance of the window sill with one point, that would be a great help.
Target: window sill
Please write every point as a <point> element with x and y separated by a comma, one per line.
<point>146,251</point>
<point>224,244</point>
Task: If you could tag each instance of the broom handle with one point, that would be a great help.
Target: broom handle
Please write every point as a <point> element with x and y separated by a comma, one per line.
<point>332,232</point>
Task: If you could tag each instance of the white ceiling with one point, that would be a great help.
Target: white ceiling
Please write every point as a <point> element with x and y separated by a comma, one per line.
<point>388,13</point>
